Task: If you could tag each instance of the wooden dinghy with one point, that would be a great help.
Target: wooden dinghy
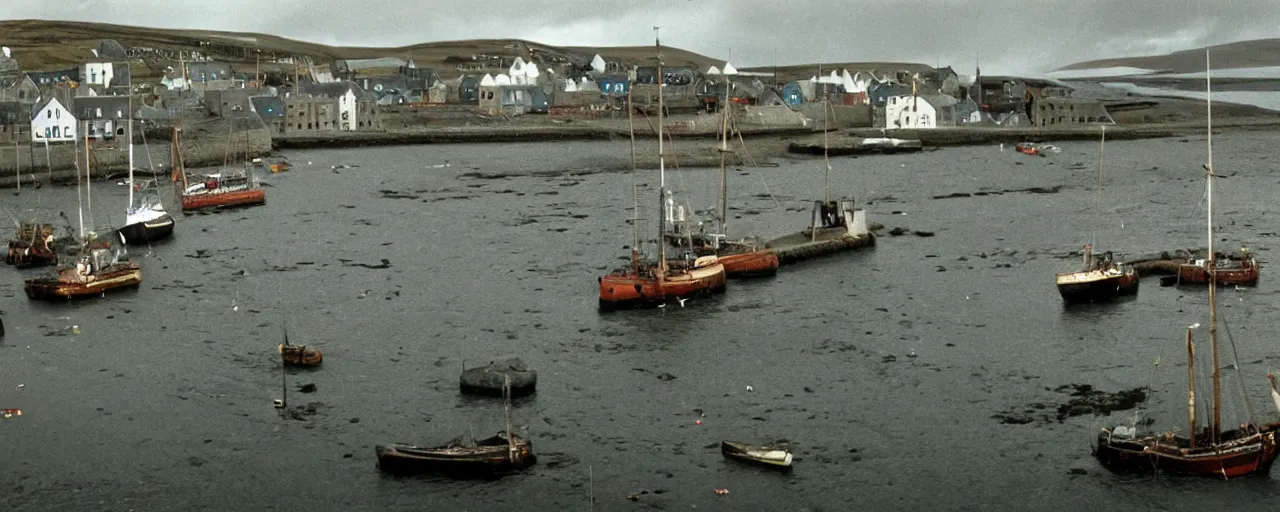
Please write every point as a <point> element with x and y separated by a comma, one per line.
<point>775,456</point>
<point>298,355</point>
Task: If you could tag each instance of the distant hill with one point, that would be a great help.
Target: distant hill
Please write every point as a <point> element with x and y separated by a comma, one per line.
<point>45,45</point>
<point>805,71</point>
<point>41,45</point>
<point>1243,54</point>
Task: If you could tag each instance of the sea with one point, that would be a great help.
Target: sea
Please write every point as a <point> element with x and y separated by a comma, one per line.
<point>888,370</point>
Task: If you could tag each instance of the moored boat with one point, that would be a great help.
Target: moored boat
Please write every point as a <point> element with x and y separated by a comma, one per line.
<point>220,190</point>
<point>1028,149</point>
<point>146,219</point>
<point>645,283</point>
<point>1227,271</point>
<point>775,456</point>
<point>298,355</point>
<point>1204,451</point>
<point>94,275</point>
<point>33,246</point>
<point>461,456</point>
<point>1100,279</point>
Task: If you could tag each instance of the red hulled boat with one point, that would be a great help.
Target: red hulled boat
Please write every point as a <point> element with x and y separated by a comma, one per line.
<point>647,284</point>
<point>1227,271</point>
<point>1028,149</point>
<point>222,190</point>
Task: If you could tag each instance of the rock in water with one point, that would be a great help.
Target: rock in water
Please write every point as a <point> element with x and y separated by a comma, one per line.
<point>488,379</point>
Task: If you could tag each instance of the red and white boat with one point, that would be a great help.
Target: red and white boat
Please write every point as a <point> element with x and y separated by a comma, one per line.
<point>221,190</point>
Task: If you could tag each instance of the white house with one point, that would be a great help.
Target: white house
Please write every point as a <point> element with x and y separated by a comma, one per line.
<point>347,110</point>
<point>920,111</point>
<point>96,73</point>
<point>53,123</point>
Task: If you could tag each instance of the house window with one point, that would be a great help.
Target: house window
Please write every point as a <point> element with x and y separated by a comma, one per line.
<point>48,133</point>
<point>48,114</point>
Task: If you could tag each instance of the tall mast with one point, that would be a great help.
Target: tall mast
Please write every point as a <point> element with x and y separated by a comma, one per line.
<point>79,178</point>
<point>826,160</point>
<point>635,193</point>
<point>1209,261</point>
<point>1191,388</point>
<point>723,192</point>
<point>130,135</point>
<point>1102,148</point>
<point>88,178</point>
<point>662,166</point>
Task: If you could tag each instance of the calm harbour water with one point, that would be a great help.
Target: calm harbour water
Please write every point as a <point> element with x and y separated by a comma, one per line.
<point>163,401</point>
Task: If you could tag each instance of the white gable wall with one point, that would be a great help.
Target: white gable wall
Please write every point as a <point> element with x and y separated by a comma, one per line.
<point>53,123</point>
<point>909,112</point>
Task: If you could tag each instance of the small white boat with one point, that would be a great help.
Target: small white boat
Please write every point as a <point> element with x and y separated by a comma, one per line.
<point>777,456</point>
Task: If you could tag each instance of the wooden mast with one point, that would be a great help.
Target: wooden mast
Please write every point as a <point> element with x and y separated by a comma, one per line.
<point>1191,388</point>
<point>506,407</point>
<point>635,194</point>
<point>722,194</point>
<point>662,170</point>
<point>1102,149</point>
<point>80,178</point>
<point>1209,261</point>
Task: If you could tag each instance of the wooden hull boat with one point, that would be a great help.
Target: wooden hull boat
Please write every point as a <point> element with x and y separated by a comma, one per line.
<point>489,456</point>
<point>1097,285</point>
<point>25,254</point>
<point>1227,272</point>
<point>644,286</point>
<point>771,456</point>
<point>32,246</point>
<point>227,199</point>
<point>68,284</point>
<point>1242,453</point>
<point>761,263</point>
<point>148,231</point>
<point>300,355</point>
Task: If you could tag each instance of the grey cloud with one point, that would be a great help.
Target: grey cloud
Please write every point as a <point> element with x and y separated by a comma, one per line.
<point>1009,37</point>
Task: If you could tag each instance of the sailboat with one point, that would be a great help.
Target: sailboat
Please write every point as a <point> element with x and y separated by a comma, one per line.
<point>221,190</point>
<point>1101,278</point>
<point>461,456</point>
<point>644,283</point>
<point>146,219</point>
<point>99,268</point>
<point>1204,451</point>
<point>748,256</point>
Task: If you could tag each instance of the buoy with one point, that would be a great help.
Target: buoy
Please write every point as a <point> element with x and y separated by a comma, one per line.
<point>75,329</point>
<point>697,422</point>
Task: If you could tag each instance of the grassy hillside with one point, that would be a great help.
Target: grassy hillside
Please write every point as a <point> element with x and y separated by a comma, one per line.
<point>47,45</point>
<point>42,45</point>
<point>1244,54</point>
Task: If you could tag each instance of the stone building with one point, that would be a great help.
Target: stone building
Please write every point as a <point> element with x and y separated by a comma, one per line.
<point>310,114</point>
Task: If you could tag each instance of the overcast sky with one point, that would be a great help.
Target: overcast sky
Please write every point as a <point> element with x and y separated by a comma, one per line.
<point>1020,36</point>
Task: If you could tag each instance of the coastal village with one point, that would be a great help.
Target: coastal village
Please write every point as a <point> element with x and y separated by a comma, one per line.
<point>251,101</point>
<point>292,96</point>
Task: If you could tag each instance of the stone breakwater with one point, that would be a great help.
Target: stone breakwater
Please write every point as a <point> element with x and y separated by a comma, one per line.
<point>59,164</point>
<point>962,136</point>
<point>511,133</point>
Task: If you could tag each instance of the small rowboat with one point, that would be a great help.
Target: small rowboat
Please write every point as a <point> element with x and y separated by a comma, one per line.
<point>776,456</point>
<point>300,355</point>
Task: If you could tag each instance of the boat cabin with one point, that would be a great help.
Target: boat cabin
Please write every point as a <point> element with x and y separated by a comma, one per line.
<point>839,215</point>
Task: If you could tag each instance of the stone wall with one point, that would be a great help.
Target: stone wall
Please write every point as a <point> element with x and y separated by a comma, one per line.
<point>112,159</point>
